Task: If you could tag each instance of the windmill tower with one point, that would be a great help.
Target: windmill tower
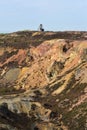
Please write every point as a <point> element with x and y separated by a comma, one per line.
<point>41,28</point>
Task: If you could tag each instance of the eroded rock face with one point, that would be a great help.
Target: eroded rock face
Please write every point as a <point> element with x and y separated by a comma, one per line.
<point>54,69</point>
<point>43,81</point>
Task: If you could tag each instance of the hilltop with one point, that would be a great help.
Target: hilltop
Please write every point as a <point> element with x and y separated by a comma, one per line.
<point>43,80</point>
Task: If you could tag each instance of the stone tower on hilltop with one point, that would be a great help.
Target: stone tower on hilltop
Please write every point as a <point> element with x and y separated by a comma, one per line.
<point>41,28</point>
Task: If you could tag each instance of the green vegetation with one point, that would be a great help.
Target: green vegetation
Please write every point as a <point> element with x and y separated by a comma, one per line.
<point>9,90</point>
<point>76,118</point>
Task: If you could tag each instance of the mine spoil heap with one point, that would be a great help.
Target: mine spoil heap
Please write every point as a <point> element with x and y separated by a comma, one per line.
<point>43,80</point>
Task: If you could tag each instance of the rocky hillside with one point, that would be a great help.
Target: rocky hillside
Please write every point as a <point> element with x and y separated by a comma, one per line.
<point>43,81</point>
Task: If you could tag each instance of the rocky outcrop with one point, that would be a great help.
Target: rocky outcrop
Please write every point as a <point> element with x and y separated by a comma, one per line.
<point>43,81</point>
<point>54,70</point>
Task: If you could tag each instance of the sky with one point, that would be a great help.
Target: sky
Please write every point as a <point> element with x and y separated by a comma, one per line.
<point>55,15</point>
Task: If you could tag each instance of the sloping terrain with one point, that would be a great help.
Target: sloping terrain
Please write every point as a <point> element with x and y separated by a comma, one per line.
<point>43,81</point>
